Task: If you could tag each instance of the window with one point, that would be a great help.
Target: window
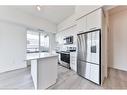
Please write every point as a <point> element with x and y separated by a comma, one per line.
<point>37,42</point>
<point>44,42</point>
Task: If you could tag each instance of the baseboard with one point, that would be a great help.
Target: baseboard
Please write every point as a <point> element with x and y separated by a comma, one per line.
<point>118,69</point>
<point>13,69</point>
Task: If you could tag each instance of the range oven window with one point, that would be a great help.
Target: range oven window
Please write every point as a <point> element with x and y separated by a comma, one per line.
<point>65,57</point>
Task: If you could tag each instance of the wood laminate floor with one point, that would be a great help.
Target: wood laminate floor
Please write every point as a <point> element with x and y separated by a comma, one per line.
<point>67,79</point>
<point>17,79</point>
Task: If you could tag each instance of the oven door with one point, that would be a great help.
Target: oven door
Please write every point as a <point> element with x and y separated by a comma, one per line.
<point>65,58</point>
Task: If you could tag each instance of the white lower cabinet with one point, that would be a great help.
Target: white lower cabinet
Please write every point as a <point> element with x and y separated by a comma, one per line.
<point>73,61</point>
<point>59,59</point>
<point>94,73</point>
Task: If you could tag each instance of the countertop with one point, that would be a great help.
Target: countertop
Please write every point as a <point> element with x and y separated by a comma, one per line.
<point>32,56</point>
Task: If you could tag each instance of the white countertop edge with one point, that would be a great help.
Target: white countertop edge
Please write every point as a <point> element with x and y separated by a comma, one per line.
<point>47,55</point>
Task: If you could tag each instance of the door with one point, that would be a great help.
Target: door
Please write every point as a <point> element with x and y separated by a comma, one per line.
<point>65,57</point>
<point>82,47</point>
<point>73,62</point>
<point>89,42</point>
<point>95,47</point>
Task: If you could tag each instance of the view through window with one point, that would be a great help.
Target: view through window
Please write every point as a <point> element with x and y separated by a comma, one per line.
<point>44,42</point>
<point>37,42</point>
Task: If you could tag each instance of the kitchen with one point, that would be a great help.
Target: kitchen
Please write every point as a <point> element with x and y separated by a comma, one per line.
<point>68,52</point>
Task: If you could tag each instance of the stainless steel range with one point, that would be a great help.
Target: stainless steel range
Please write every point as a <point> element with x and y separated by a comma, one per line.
<point>64,56</point>
<point>65,59</point>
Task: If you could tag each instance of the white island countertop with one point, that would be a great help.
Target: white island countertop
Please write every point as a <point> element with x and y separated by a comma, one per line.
<point>33,56</point>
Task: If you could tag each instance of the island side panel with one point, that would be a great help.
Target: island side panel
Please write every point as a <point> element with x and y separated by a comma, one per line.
<point>47,72</point>
<point>34,72</point>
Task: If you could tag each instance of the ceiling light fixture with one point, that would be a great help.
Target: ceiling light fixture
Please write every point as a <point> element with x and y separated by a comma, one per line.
<point>38,8</point>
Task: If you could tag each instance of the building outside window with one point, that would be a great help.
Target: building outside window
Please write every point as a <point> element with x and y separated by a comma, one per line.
<point>37,41</point>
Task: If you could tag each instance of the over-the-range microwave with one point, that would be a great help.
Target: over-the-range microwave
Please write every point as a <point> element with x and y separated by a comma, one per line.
<point>68,40</point>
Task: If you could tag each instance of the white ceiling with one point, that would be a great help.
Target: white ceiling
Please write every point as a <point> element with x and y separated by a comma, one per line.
<point>55,14</point>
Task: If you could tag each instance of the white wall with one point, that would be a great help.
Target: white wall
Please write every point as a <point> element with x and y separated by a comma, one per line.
<point>19,17</point>
<point>118,39</point>
<point>12,46</point>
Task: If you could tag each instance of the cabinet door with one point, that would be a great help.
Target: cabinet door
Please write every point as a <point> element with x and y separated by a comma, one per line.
<point>59,38</point>
<point>73,62</point>
<point>94,73</point>
<point>81,25</point>
<point>59,59</point>
<point>94,20</point>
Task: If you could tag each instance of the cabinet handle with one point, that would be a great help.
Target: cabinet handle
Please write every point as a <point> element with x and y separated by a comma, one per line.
<point>93,28</point>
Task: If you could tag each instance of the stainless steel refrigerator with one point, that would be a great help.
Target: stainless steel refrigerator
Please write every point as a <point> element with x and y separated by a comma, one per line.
<point>89,55</point>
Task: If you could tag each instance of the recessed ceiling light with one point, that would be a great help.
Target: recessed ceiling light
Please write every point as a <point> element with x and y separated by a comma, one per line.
<point>38,7</point>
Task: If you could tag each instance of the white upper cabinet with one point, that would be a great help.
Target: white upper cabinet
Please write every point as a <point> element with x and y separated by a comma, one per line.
<point>90,22</point>
<point>59,38</point>
<point>84,10</point>
<point>94,20</point>
<point>81,25</point>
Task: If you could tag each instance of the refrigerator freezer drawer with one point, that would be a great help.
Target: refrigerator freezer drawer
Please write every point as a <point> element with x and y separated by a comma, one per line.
<point>81,66</point>
<point>87,74</point>
<point>89,71</point>
<point>83,69</point>
<point>94,73</point>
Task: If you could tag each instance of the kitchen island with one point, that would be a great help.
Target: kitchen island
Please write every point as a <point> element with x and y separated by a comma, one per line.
<point>43,69</point>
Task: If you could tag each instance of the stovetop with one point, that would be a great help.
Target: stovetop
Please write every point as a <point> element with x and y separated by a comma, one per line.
<point>68,51</point>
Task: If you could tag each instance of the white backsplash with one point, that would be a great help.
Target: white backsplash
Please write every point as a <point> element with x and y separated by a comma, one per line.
<point>64,47</point>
